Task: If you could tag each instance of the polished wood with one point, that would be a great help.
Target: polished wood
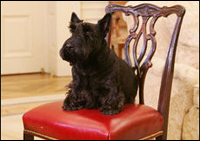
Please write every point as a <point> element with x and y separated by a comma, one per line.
<point>166,83</point>
<point>118,29</point>
<point>28,137</point>
<point>120,47</point>
<point>28,85</point>
<point>120,23</point>
<point>146,11</point>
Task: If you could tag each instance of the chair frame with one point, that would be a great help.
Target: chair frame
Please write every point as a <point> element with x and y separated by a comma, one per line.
<point>146,11</point>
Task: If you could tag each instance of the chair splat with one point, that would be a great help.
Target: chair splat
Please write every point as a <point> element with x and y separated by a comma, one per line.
<point>146,11</point>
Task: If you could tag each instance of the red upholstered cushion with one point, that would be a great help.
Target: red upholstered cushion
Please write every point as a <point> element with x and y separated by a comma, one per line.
<point>51,122</point>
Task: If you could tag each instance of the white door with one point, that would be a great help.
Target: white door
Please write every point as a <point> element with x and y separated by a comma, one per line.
<point>22,36</point>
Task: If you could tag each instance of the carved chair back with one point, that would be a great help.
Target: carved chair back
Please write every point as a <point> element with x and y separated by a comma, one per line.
<point>143,62</point>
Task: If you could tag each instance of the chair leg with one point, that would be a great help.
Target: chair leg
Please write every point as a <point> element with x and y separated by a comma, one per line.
<point>120,47</point>
<point>159,137</point>
<point>28,137</point>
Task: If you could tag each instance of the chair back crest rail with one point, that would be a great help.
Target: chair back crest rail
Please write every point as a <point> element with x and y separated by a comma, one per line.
<point>146,11</point>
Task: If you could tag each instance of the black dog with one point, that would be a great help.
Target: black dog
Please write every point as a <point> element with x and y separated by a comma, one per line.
<point>100,78</point>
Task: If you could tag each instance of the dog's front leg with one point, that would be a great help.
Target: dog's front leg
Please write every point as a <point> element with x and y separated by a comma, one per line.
<point>112,102</point>
<point>73,101</point>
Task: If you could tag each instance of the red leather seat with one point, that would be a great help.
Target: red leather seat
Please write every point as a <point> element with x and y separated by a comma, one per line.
<point>49,121</point>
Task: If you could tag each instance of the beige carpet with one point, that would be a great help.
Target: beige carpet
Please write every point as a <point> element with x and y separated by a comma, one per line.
<point>12,111</point>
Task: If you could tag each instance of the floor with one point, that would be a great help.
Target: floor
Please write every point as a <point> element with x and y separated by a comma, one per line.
<point>15,86</point>
<point>20,93</point>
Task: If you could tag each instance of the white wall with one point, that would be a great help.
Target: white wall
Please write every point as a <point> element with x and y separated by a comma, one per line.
<point>92,11</point>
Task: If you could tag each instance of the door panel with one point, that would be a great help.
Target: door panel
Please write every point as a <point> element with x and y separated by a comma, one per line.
<point>23,36</point>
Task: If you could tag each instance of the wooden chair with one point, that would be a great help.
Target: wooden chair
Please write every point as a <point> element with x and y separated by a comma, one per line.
<point>136,121</point>
<point>115,37</point>
<point>117,24</point>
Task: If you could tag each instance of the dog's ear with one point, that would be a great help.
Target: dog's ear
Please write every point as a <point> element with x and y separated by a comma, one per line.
<point>104,23</point>
<point>75,19</point>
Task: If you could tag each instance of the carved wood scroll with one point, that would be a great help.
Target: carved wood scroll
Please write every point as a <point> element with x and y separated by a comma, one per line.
<point>145,11</point>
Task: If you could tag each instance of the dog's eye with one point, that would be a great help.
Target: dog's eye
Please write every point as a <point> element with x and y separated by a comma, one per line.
<point>72,27</point>
<point>88,33</point>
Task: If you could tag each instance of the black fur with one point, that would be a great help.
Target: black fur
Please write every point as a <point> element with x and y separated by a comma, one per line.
<point>101,80</point>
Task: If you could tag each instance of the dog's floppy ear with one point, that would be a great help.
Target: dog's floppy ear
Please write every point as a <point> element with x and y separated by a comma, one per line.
<point>75,19</point>
<point>104,23</point>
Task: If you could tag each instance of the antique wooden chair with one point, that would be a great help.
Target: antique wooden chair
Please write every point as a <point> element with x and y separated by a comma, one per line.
<point>136,121</point>
<point>116,39</point>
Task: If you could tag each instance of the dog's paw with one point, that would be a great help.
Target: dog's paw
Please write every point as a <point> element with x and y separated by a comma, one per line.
<point>71,108</point>
<point>110,111</point>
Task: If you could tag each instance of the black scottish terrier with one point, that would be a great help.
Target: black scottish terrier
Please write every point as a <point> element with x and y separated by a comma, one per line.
<point>100,78</point>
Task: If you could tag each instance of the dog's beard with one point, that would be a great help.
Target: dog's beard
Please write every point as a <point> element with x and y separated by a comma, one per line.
<point>74,58</point>
<point>67,55</point>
